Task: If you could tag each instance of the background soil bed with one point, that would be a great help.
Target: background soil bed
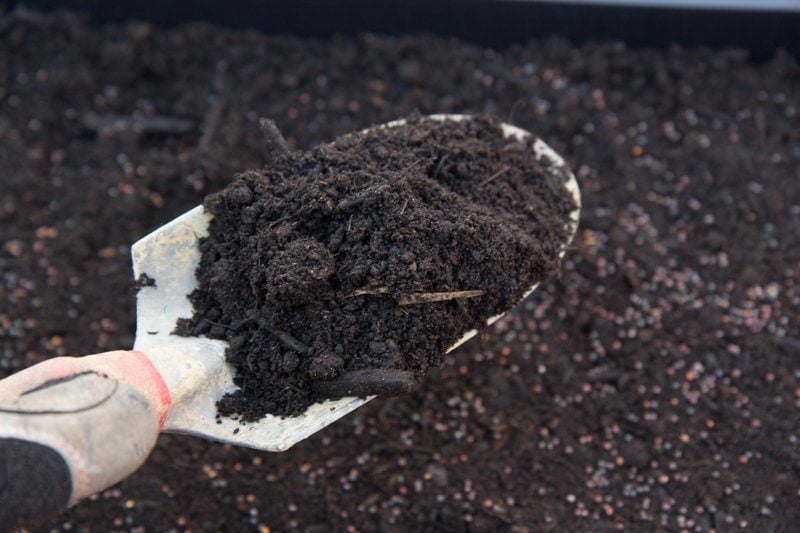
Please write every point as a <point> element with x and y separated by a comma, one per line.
<point>654,383</point>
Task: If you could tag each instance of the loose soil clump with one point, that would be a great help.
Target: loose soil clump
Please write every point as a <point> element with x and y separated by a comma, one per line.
<point>352,268</point>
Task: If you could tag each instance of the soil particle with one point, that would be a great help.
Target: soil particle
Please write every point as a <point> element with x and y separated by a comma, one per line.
<point>143,281</point>
<point>351,268</point>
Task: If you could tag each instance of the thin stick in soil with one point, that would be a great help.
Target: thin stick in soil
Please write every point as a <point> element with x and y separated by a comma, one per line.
<point>283,336</point>
<point>440,165</point>
<point>429,297</point>
<point>274,135</point>
<point>370,292</point>
<point>420,297</point>
<point>368,382</point>
<point>510,147</point>
<point>494,176</point>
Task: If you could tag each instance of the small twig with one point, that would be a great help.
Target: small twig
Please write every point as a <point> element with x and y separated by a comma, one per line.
<point>283,336</point>
<point>364,292</point>
<point>420,297</point>
<point>381,381</point>
<point>405,204</point>
<point>440,165</point>
<point>288,340</point>
<point>356,200</point>
<point>274,135</point>
<point>494,176</point>
<point>429,297</point>
<point>218,324</point>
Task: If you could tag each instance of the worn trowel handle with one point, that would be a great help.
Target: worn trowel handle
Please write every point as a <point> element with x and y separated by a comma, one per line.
<point>72,426</point>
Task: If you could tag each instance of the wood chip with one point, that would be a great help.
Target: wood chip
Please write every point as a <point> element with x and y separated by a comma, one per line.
<point>370,292</point>
<point>428,297</point>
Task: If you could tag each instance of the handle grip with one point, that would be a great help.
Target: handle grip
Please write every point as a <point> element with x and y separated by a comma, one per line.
<point>70,427</point>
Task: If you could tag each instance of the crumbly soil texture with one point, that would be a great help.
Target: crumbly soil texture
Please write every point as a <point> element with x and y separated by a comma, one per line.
<point>350,269</point>
<point>652,385</point>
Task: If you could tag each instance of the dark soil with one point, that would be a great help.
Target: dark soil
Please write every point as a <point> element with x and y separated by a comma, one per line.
<point>318,269</point>
<point>655,385</point>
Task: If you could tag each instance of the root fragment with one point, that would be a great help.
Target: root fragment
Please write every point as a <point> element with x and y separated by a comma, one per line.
<point>428,297</point>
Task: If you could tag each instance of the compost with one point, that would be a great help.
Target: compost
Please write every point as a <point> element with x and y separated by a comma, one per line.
<point>651,385</point>
<point>351,269</point>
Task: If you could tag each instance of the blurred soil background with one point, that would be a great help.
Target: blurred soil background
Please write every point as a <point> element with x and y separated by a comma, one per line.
<point>654,384</point>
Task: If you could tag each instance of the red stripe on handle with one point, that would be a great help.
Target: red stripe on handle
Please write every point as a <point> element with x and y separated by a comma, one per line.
<point>162,391</point>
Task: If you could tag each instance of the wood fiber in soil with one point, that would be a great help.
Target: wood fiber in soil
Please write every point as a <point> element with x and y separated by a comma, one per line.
<point>653,385</point>
<point>313,264</point>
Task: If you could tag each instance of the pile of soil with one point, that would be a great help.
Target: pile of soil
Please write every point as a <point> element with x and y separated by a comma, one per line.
<point>352,268</point>
<point>655,384</point>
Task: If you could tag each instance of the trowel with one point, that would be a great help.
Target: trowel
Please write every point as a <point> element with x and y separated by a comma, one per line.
<point>72,426</point>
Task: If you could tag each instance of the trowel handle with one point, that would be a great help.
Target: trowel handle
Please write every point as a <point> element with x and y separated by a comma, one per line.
<point>72,426</point>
